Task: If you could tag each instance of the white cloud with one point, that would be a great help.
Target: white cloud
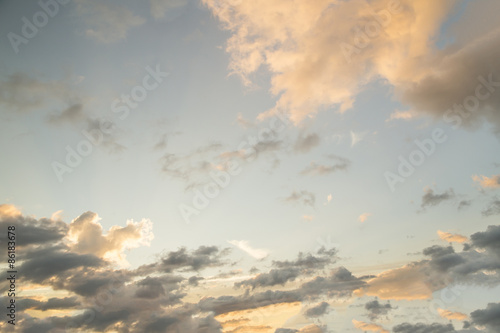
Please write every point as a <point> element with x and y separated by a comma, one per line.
<point>244,246</point>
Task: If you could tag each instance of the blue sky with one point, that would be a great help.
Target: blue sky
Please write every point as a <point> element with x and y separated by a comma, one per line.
<point>308,113</point>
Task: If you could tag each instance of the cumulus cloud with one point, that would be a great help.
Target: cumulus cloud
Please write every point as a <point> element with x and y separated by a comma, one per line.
<point>86,234</point>
<point>489,317</point>
<point>164,296</point>
<point>321,54</point>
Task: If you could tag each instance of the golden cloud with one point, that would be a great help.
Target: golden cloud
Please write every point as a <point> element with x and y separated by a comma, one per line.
<point>451,237</point>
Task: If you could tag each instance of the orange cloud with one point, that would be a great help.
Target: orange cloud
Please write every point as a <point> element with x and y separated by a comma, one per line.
<point>452,315</point>
<point>316,58</point>
<point>405,283</point>
<point>368,327</point>
<point>451,237</point>
<point>487,182</point>
<point>7,210</point>
<point>263,319</point>
<point>362,218</point>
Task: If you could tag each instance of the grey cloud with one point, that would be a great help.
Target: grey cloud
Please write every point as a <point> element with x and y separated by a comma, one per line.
<point>72,114</point>
<point>376,309</point>
<point>225,304</point>
<point>51,304</point>
<point>492,209</point>
<point>340,283</point>
<point>452,83</point>
<point>489,239</point>
<point>423,328</point>
<point>305,143</point>
<point>304,197</point>
<point>286,271</point>
<point>431,199</point>
<point>32,231</point>
<point>56,263</point>
<point>182,260</point>
<point>489,317</point>
<point>192,167</point>
<point>463,204</point>
<point>23,93</point>
<point>272,278</point>
<point>318,310</point>
<point>315,169</point>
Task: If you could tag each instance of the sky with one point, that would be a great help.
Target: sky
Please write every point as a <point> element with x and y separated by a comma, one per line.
<point>273,166</point>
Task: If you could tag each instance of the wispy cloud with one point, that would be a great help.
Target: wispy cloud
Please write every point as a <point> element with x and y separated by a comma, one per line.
<point>245,246</point>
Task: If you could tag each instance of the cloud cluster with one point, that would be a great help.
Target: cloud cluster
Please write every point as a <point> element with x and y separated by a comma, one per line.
<point>71,258</point>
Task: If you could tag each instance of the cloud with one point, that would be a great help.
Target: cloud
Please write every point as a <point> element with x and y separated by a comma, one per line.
<point>430,199</point>
<point>193,167</point>
<point>245,246</point>
<point>87,236</point>
<point>183,260</point>
<point>487,182</point>
<point>311,72</point>
<point>305,143</point>
<point>285,271</point>
<point>362,218</point>
<point>72,114</point>
<point>423,328</point>
<point>368,327</point>
<point>320,170</point>
<point>160,7</point>
<point>464,203</point>
<point>164,296</point>
<point>375,309</point>
<point>451,237</point>
<point>303,197</point>
<point>318,310</point>
<point>489,317</point>
<point>244,122</point>
<point>23,93</point>
<point>492,209</point>
<point>488,240</point>
<point>356,138</point>
<point>272,278</point>
<point>33,231</point>
<point>452,315</point>
<point>107,23</point>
